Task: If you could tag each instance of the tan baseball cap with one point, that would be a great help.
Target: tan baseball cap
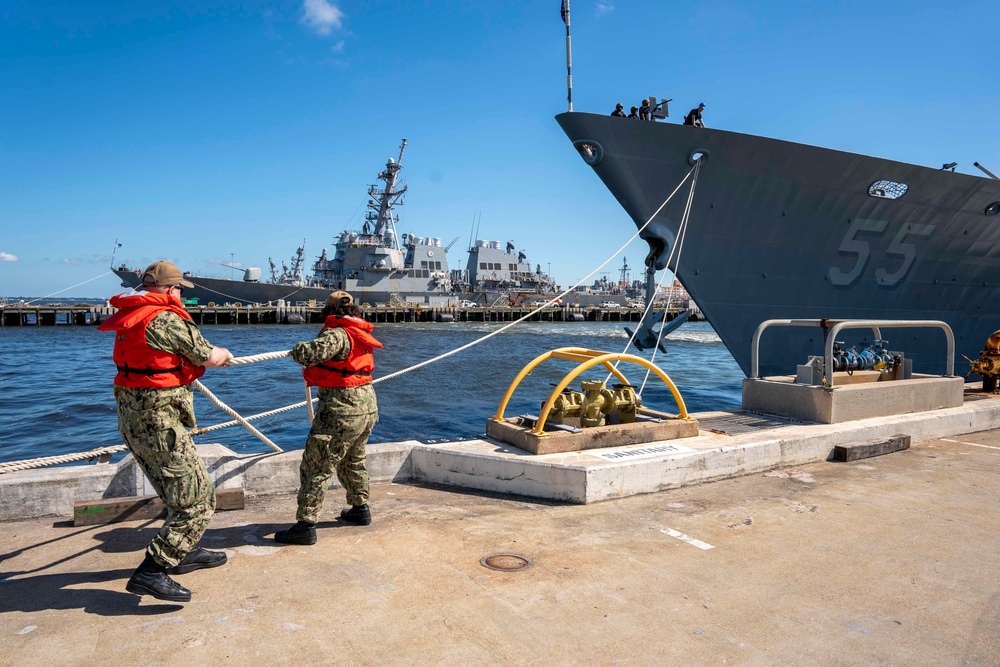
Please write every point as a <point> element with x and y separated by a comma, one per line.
<point>164,274</point>
<point>337,298</point>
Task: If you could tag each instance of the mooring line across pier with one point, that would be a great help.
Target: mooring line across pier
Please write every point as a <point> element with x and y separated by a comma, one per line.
<point>13,466</point>
<point>274,355</point>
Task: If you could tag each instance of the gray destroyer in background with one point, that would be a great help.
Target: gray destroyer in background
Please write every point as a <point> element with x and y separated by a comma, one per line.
<point>780,230</point>
<point>379,266</point>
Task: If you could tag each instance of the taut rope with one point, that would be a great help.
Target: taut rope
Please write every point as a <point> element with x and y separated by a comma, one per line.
<point>679,247</point>
<point>13,466</point>
<point>235,415</point>
<point>254,358</point>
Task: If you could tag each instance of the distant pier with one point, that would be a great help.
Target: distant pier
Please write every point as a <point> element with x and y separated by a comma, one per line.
<point>84,315</point>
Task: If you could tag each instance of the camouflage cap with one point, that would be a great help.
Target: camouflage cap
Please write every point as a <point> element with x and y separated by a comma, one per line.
<point>164,274</point>
<point>339,297</point>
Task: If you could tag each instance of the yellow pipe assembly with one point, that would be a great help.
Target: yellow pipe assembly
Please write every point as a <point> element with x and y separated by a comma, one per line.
<point>586,359</point>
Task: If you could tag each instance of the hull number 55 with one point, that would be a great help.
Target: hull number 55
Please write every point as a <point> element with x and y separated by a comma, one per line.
<point>857,243</point>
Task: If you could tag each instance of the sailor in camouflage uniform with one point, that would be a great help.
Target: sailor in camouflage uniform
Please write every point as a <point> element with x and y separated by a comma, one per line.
<point>159,352</point>
<point>339,361</point>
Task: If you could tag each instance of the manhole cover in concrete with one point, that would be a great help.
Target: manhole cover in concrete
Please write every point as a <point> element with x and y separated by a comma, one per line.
<point>505,562</point>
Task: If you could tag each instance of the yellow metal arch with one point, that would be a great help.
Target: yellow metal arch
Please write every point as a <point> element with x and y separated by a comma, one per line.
<point>588,359</point>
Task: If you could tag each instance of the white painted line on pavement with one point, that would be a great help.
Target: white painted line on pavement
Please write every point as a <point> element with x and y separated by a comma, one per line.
<point>970,444</point>
<point>686,538</point>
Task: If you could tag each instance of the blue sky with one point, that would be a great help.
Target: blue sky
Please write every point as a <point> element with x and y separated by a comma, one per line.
<point>199,131</point>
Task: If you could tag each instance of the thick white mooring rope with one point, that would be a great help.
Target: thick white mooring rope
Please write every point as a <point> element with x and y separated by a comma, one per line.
<point>275,355</point>
<point>679,246</point>
<point>235,415</point>
<point>66,289</point>
<point>260,415</point>
<point>13,466</point>
<point>27,464</point>
<point>254,358</point>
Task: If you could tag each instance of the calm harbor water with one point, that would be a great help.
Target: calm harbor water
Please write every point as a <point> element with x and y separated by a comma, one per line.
<point>56,397</point>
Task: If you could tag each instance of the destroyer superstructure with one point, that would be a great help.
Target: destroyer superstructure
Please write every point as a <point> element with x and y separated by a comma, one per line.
<point>378,265</point>
<point>374,265</point>
<point>495,267</point>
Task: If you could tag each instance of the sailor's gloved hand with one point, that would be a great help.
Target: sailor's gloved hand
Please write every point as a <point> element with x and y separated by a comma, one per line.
<point>220,357</point>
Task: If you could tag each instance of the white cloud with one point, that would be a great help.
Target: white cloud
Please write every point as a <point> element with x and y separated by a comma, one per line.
<point>70,260</point>
<point>7,257</point>
<point>338,47</point>
<point>322,16</point>
<point>605,8</point>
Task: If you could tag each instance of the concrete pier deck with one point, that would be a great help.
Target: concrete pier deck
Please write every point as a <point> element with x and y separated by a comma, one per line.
<point>890,560</point>
<point>728,445</point>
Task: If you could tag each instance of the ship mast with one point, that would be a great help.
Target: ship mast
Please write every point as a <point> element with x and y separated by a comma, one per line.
<point>382,201</point>
<point>297,262</point>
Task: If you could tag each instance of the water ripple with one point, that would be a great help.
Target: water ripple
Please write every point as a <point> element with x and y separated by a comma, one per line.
<point>56,398</point>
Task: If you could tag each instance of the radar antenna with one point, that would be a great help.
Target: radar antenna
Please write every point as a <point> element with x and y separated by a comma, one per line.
<point>297,261</point>
<point>382,201</point>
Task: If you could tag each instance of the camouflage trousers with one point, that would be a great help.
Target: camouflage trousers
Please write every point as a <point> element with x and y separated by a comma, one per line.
<point>335,443</point>
<point>166,453</point>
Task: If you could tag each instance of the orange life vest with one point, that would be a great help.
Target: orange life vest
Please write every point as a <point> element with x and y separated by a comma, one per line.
<point>139,365</point>
<point>356,369</point>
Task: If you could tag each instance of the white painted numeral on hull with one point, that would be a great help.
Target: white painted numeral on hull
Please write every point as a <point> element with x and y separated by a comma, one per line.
<point>852,245</point>
<point>861,249</point>
<point>907,251</point>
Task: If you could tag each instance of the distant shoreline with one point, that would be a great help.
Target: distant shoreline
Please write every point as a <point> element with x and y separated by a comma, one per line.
<point>47,301</point>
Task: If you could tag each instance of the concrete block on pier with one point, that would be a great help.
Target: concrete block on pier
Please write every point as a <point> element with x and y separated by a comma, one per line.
<point>850,402</point>
<point>500,468</point>
<point>29,494</point>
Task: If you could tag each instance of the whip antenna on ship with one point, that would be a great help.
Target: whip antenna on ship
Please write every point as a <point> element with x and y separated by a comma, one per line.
<point>119,245</point>
<point>564,12</point>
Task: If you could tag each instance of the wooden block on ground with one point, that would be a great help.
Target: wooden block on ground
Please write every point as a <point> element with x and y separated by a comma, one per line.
<point>864,450</point>
<point>130,508</point>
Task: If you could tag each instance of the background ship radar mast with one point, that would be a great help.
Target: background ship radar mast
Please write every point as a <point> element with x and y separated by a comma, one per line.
<point>381,202</point>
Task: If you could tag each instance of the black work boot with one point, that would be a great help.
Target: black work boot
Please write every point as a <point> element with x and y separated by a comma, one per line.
<point>359,515</point>
<point>300,533</point>
<point>197,559</point>
<point>150,578</point>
